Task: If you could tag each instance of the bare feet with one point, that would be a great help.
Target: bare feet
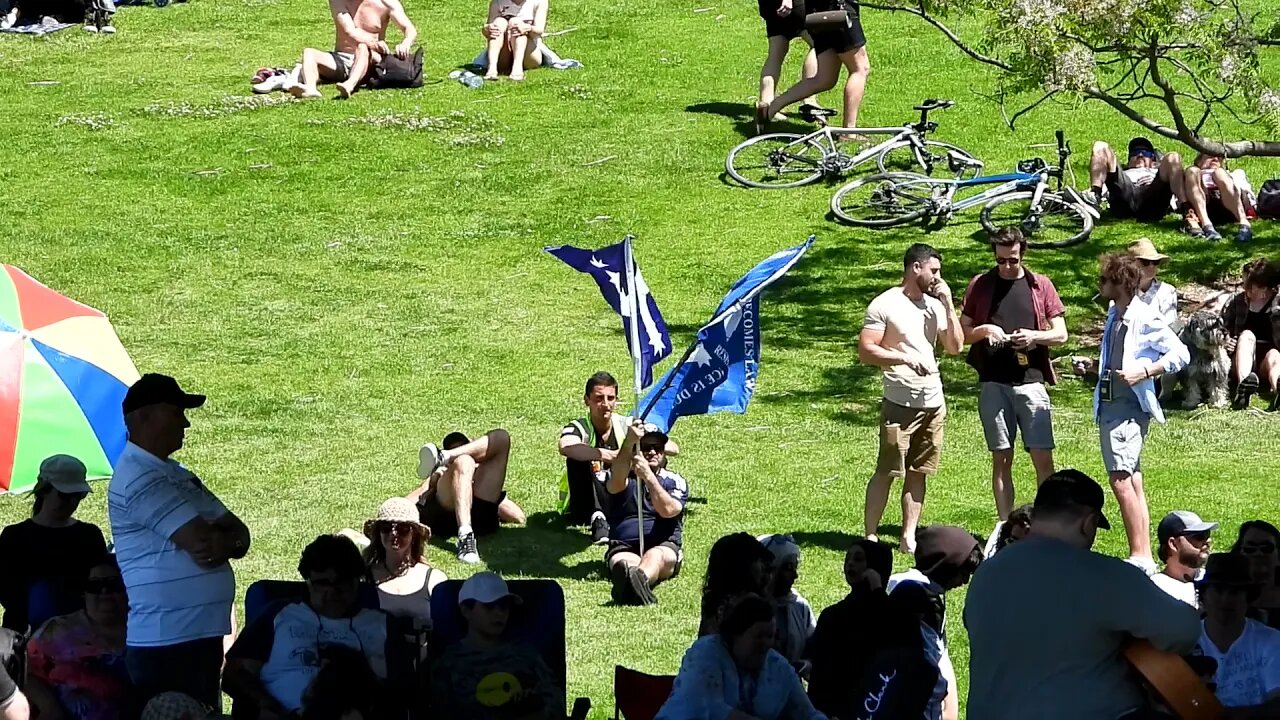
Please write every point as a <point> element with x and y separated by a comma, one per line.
<point>304,91</point>
<point>762,118</point>
<point>517,75</point>
<point>344,92</point>
<point>491,75</point>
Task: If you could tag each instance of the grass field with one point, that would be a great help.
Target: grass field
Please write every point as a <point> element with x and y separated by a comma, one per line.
<point>349,280</point>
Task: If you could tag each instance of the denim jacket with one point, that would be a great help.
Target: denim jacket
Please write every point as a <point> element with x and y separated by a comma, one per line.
<point>710,687</point>
<point>1147,341</point>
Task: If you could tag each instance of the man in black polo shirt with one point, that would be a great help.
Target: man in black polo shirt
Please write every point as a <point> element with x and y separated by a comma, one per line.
<point>1011,317</point>
<point>643,458</point>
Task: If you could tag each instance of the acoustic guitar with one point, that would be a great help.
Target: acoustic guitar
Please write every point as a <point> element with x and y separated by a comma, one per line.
<point>1174,682</point>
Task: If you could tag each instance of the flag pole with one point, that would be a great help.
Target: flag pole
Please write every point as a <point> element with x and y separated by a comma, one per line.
<point>637,366</point>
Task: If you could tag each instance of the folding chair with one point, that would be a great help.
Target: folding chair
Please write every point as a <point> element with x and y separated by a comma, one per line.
<point>539,621</point>
<point>637,695</point>
<point>47,599</point>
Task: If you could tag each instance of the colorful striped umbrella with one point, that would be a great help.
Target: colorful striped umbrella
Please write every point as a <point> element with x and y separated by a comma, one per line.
<point>63,375</point>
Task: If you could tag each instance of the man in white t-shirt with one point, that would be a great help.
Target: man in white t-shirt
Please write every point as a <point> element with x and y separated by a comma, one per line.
<point>1247,652</point>
<point>174,540</point>
<point>1184,549</point>
<point>1144,187</point>
<point>901,328</point>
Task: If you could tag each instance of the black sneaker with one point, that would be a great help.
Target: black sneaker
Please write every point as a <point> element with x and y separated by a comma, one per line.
<point>468,552</point>
<point>599,531</point>
<point>1245,391</point>
<point>640,585</point>
<point>622,592</point>
<point>1275,403</point>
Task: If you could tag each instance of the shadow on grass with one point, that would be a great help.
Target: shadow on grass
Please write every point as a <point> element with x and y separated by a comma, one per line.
<point>742,114</point>
<point>538,549</point>
<point>839,540</point>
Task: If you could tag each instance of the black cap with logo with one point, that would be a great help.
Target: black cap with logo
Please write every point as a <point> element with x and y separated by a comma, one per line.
<point>155,389</point>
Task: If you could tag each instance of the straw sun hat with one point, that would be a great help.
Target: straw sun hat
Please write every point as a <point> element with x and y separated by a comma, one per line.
<point>397,510</point>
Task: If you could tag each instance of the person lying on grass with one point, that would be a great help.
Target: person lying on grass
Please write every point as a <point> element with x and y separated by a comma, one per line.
<point>360,44</point>
<point>514,31</point>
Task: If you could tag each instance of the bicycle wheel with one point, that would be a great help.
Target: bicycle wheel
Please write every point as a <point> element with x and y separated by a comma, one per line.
<point>901,157</point>
<point>886,199</point>
<point>1056,223</point>
<point>776,160</point>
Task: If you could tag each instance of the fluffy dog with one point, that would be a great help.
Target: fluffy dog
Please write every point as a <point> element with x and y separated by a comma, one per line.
<point>1209,371</point>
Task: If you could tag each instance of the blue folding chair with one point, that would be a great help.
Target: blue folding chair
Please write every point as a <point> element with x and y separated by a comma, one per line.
<point>270,595</point>
<point>539,621</point>
<point>47,599</point>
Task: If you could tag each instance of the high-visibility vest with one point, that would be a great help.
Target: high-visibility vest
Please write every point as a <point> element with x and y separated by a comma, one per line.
<point>620,425</point>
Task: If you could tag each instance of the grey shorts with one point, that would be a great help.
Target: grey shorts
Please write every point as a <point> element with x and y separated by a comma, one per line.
<point>1006,409</point>
<point>1123,428</point>
<point>343,61</point>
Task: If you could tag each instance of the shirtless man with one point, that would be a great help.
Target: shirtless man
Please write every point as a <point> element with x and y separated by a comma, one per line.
<point>360,43</point>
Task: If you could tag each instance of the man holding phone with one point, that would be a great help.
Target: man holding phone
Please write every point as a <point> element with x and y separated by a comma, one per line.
<point>901,328</point>
<point>1138,346</point>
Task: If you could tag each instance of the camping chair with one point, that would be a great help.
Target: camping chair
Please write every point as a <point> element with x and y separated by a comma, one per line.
<point>539,621</point>
<point>637,695</point>
<point>47,599</point>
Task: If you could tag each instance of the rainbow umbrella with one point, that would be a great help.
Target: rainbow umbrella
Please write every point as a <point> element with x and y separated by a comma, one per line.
<point>63,375</point>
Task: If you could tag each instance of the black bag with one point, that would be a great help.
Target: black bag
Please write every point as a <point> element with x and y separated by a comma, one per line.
<point>1268,203</point>
<point>392,72</point>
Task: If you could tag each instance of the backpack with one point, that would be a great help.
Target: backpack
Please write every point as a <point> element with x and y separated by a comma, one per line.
<point>392,72</point>
<point>1268,201</point>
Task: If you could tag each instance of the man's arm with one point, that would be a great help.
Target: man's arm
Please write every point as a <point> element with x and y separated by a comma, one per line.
<point>1140,608</point>
<point>871,352</point>
<point>428,486</point>
<point>977,333</point>
<point>665,505</point>
<point>237,533</point>
<point>347,25</point>
<point>620,468</point>
<point>953,335</point>
<point>242,679</point>
<point>572,447</point>
<point>402,21</point>
<point>1055,335</point>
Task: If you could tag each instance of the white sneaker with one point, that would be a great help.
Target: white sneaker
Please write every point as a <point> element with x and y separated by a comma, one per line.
<point>9,19</point>
<point>109,29</point>
<point>91,28</point>
<point>429,458</point>
<point>276,82</point>
<point>467,551</point>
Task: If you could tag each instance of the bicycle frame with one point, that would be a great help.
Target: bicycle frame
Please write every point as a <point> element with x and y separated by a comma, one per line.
<point>1006,183</point>
<point>829,135</point>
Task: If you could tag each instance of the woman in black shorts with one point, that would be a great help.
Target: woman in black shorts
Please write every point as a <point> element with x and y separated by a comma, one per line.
<point>844,46</point>
<point>783,22</point>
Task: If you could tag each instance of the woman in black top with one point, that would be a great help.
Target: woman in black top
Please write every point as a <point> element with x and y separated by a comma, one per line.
<point>52,545</point>
<point>1259,541</point>
<point>783,22</point>
<point>842,46</point>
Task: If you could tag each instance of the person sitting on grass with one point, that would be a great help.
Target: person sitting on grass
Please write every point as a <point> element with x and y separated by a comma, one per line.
<point>75,662</point>
<point>1143,187</point>
<point>737,674</point>
<point>514,31</point>
<point>463,489</point>
<point>1259,541</point>
<point>1253,333</point>
<point>842,46</point>
<point>1247,652</point>
<point>660,517</point>
<point>488,676</point>
<point>850,632</point>
<point>280,661</point>
<point>397,562</point>
<point>737,565</point>
<point>795,617</point>
<point>1217,196</point>
<point>360,43</point>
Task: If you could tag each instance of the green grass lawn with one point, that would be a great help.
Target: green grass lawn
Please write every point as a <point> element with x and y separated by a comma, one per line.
<point>348,280</point>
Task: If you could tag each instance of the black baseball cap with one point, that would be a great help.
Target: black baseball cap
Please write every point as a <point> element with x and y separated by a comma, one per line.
<point>1229,570</point>
<point>1182,522</point>
<point>155,389</point>
<point>1141,145</point>
<point>1072,487</point>
<point>653,434</point>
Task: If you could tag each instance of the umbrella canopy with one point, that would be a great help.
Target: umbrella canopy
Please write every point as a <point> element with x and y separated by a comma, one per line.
<point>63,376</point>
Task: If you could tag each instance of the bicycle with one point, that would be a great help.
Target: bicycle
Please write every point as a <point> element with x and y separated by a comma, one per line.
<point>1049,218</point>
<point>791,160</point>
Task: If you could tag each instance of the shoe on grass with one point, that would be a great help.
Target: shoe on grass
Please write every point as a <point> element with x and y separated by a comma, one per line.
<point>468,552</point>
<point>1245,391</point>
<point>599,531</point>
<point>622,592</point>
<point>640,585</point>
<point>429,458</point>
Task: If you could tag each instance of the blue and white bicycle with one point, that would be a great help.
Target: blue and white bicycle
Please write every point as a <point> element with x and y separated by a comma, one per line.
<point>1050,218</point>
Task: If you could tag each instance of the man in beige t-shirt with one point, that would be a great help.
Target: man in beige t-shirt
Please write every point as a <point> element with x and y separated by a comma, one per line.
<point>899,332</point>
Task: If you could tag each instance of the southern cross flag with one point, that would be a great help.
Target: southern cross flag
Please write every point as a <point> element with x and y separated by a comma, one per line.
<point>718,374</point>
<point>613,268</point>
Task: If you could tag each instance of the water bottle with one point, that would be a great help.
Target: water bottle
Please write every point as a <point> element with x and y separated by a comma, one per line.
<point>471,80</point>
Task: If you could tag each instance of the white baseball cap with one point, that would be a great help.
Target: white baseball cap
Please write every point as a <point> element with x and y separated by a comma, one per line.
<point>486,588</point>
<point>65,473</point>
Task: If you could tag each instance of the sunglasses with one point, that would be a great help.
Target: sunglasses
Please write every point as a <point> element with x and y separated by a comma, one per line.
<point>646,449</point>
<point>395,528</point>
<point>1009,261</point>
<point>335,582</point>
<point>1265,548</point>
<point>104,586</point>
<point>1196,538</point>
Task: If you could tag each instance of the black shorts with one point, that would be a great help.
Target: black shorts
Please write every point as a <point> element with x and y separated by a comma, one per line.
<point>1147,203</point>
<point>1218,212</point>
<point>616,546</point>
<point>850,37</point>
<point>444,522</point>
<point>788,27</point>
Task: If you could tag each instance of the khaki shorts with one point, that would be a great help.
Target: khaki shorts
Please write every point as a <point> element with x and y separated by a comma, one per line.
<point>910,439</point>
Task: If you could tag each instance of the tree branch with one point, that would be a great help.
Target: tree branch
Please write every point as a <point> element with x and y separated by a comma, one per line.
<point>1011,121</point>
<point>955,39</point>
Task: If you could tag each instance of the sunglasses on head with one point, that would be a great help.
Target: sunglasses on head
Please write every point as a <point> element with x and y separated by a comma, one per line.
<point>104,586</point>
<point>1262,548</point>
<point>395,528</point>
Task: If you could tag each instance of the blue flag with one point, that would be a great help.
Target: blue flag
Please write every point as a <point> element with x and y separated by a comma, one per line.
<point>609,267</point>
<point>718,374</point>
